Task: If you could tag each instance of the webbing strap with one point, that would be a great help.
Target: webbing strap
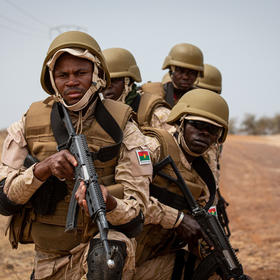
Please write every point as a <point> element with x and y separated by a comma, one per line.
<point>189,266</point>
<point>135,104</point>
<point>178,265</point>
<point>105,120</point>
<point>168,198</point>
<point>203,170</point>
<point>173,200</point>
<point>169,93</point>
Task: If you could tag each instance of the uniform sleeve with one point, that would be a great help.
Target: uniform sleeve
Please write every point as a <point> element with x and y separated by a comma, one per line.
<point>20,183</point>
<point>159,118</point>
<point>134,173</point>
<point>158,213</point>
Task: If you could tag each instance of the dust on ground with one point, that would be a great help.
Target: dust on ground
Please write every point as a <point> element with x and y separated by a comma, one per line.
<point>250,182</point>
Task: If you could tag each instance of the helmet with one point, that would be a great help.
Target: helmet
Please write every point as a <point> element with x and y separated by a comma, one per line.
<point>203,103</point>
<point>166,78</point>
<point>121,63</point>
<point>185,55</point>
<point>212,79</point>
<point>71,39</point>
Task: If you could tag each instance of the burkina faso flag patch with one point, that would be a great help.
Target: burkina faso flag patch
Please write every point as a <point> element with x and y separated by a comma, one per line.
<point>213,210</point>
<point>143,156</point>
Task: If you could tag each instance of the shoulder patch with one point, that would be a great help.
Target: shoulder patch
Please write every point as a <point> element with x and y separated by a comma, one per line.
<point>143,157</point>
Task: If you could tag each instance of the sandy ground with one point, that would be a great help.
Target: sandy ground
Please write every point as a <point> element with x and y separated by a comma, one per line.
<point>250,182</point>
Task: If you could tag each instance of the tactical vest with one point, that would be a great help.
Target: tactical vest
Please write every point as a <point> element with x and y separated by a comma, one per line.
<point>166,91</point>
<point>47,231</point>
<point>155,88</point>
<point>154,240</point>
<point>148,103</point>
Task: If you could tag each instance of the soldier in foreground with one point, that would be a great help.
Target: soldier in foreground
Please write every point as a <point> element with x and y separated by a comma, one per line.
<point>150,110</point>
<point>201,120</point>
<point>184,63</point>
<point>37,194</point>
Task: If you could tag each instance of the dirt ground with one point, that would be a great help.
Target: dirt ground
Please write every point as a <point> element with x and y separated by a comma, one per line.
<point>250,182</point>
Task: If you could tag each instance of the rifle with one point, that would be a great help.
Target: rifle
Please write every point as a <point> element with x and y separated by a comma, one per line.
<point>222,204</point>
<point>85,171</point>
<point>222,258</point>
<point>222,214</point>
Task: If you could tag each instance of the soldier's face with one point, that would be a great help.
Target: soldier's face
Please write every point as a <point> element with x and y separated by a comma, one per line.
<point>199,136</point>
<point>72,77</point>
<point>184,78</point>
<point>115,90</point>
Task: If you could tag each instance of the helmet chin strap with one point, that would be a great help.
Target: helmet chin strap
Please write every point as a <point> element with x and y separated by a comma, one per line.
<point>172,67</point>
<point>97,82</point>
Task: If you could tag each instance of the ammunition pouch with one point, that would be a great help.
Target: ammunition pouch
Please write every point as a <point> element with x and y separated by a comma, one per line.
<point>45,199</point>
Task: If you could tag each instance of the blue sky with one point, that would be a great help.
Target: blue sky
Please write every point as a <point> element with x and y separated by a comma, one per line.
<point>240,37</point>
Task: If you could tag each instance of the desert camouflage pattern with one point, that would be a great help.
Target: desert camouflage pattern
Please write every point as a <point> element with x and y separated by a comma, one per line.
<point>21,184</point>
<point>159,119</point>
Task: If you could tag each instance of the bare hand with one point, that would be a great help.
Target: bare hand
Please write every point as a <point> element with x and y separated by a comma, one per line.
<point>60,164</point>
<point>80,195</point>
<point>189,230</point>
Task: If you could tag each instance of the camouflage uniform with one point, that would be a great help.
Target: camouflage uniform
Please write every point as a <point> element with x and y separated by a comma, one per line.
<point>152,261</point>
<point>20,183</point>
<point>161,266</point>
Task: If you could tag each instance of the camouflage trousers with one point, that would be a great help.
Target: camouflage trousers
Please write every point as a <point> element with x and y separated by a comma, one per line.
<point>51,266</point>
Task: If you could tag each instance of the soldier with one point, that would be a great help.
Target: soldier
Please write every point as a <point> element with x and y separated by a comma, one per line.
<point>184,63</point>
<point>201,120</point>
<point>74,73</point>
<point>211,80</point>
<point>151,110</point>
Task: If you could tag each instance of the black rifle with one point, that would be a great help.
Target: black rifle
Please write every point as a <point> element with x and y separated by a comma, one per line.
<point>222,204</point>
<point>85,171</point>
<point>222,258</point>
<point>222,213</point>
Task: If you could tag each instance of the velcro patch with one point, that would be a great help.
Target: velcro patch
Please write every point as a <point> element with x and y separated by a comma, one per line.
<point>213,210</point>
<point>143,156</point>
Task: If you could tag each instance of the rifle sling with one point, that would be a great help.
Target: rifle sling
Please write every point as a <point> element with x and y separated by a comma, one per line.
<point>136,102</point>
<point>168,198</point>
<point>169,94</point>
<point>203,170</point>
<point>105,120</point>
<point>176,201</point>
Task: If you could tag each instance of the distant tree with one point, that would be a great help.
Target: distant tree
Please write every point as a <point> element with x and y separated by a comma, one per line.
<point>232,128</point>
<point>264,126</point>
<point>276,124</point>
<point>248,124</point>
